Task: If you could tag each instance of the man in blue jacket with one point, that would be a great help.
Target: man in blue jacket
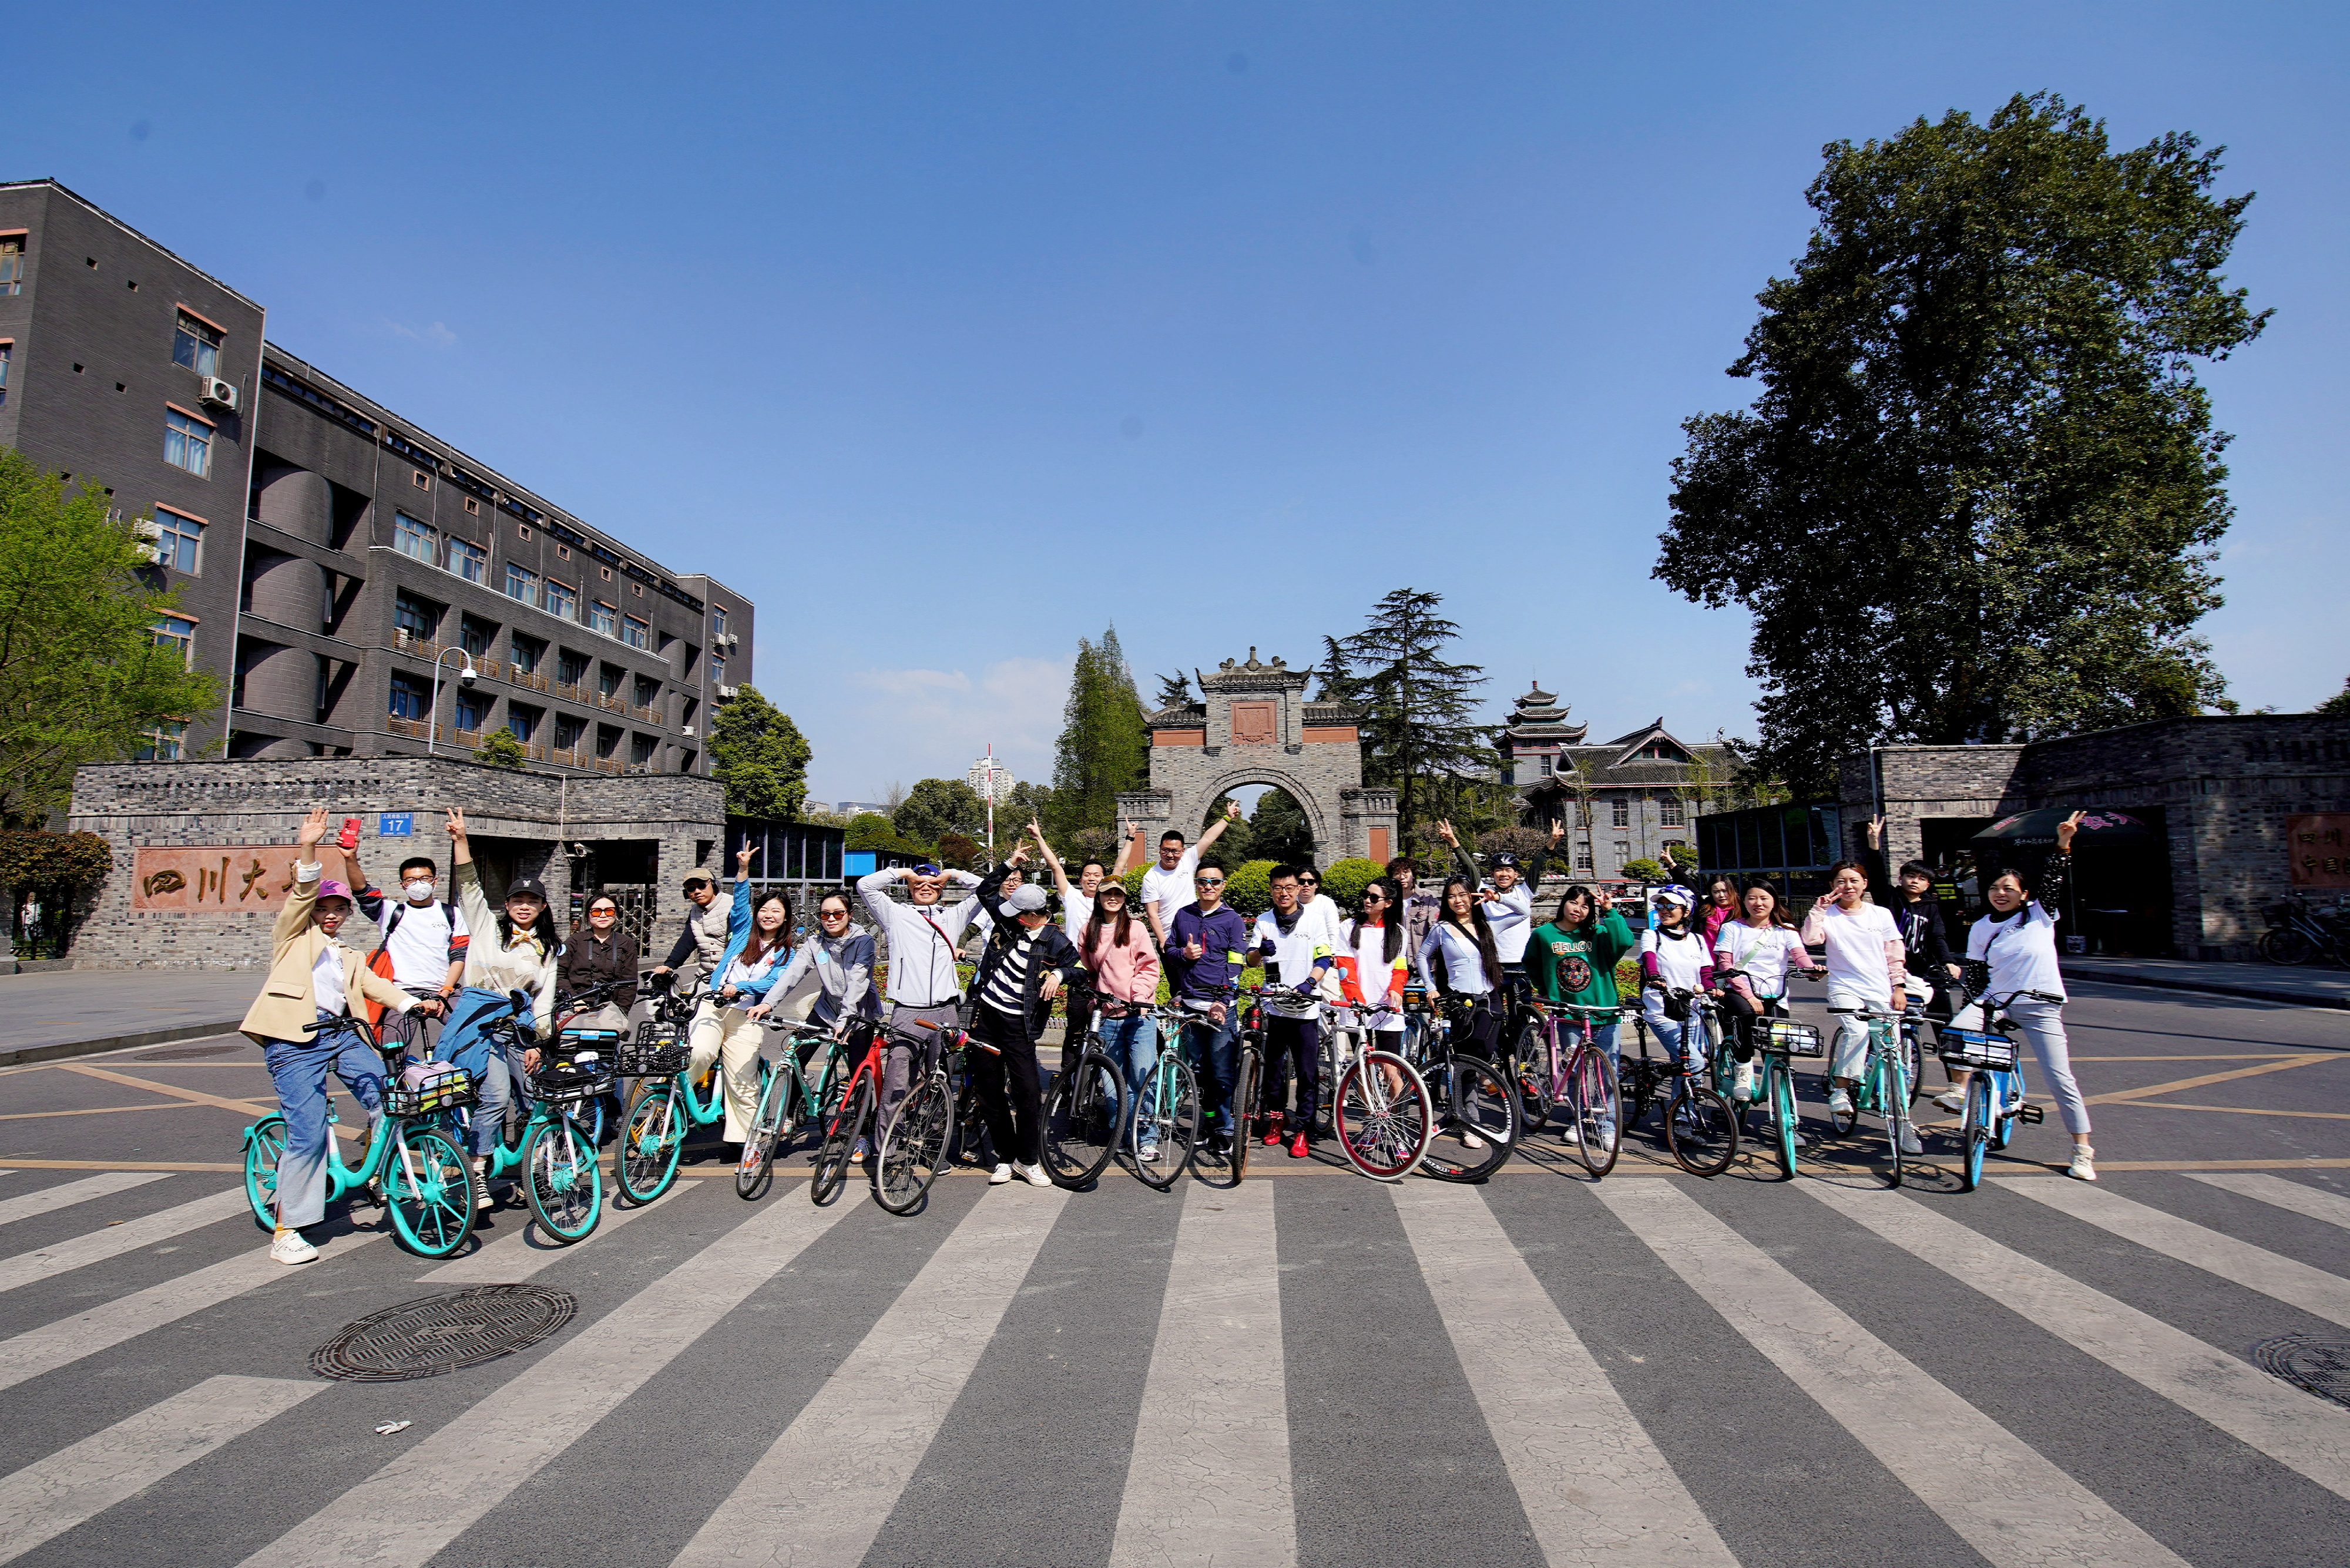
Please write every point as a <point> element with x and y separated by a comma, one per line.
<point>1206,949</point>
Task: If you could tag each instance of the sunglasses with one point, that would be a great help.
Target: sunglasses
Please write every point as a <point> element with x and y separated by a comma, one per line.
<point>832,914</point>
<point>1375,898</point>
<point>606,913</point>
<point>1311,881</point>
<point>1207,881</point>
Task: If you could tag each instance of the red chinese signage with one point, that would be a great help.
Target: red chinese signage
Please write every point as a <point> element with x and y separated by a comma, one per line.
<point>2320,846</point>
<point>219,879</point>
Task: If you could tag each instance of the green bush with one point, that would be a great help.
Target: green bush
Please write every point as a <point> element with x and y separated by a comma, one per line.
<point>1249,888</point>
<point>1345,880</point>
<point>33,858</point>
<point>1643,871</point>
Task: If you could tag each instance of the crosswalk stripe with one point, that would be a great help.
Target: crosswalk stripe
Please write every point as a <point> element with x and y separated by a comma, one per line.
<point>2296,1430</point>
<point>1592,1483</point>
<point>1209,1477</point>
<point>116,1240</point>
<point>55,1344</point>
<point>511,1257</point>
<point>2283,1278</point>
<point>819,1495</point>
<point>65,1194</point>
<point>51,1496</point>
<point>416,1505</point>
<point>2279,1193</point>
<point>1995,1490</point>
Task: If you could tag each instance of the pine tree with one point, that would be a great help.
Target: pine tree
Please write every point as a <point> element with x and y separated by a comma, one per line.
<point>1174,691</point>
<point>1419,737</point>
<point>1103,746</point>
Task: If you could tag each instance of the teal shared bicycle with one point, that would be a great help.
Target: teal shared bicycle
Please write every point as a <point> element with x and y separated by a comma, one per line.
<point>1995,1093</point>
<point>554,1146</point>
<point>1884,1086</point>
<point>666,1106</point>
<point>795,1097</point>
<point>415,1164</point>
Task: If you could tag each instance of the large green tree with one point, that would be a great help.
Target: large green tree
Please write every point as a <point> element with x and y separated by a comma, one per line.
<point>82,677</point>
<point>1277,829</point>
<point>1418,736</point>
<point>761,756</point>
<point>936,808</point>
<point>1978,494</point>
<point>1104,747</point>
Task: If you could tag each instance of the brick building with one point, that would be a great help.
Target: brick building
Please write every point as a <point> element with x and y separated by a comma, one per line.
<point>331,556</point>
<point>1622,800</point>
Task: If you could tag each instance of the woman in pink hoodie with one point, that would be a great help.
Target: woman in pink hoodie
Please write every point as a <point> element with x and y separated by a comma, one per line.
<point>1117,949</point>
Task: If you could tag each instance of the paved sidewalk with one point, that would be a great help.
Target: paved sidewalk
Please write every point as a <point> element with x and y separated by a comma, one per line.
<point>66,1012</point>
<point>2306,987</point>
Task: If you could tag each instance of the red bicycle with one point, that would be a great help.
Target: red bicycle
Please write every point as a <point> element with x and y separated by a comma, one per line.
<point>910,1150</point>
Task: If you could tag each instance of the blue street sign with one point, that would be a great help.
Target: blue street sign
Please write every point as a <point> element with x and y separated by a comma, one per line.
<point>396,824</point>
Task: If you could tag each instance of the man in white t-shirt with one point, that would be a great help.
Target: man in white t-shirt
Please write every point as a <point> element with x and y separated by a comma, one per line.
<point>1866,964</point>
<point>1167,886</point>
<point>424,936</point>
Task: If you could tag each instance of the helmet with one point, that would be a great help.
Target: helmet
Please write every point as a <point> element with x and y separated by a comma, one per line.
<point>1502,858</point>
<point>1673,892</point>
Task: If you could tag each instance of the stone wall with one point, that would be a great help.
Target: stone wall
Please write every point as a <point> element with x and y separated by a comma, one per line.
<point>527,816</point>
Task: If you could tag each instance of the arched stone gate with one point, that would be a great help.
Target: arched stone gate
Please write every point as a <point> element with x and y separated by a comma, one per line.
<point>1254,725</point>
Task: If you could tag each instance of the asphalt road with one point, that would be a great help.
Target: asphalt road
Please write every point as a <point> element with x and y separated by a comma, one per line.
<point>1313,1368</point>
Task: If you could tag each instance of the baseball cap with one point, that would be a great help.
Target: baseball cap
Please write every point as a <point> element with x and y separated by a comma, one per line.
<point>1027,899</point>
<point>330,888</point>
<point>526,888</point>
<point>1676,894</point>
<point>926,869</point>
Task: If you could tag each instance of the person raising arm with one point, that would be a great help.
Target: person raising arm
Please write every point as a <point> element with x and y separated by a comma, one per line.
<point>1866,964</point>
<point>1167,886</point>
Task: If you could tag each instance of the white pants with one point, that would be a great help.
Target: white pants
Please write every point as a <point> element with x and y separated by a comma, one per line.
<point>1852,1032</point>
<point>732,1037</point>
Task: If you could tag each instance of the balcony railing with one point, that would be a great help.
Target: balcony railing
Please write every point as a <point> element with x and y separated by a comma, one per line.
<point>406,641</point>
<point>414,729</point>
<point>608,766</point>
<point>528,680</point>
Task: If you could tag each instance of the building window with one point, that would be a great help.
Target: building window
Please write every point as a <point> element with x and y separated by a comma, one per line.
<point>602,617</point>
<point>472,506</point>
<point>181,547</point>
<point>568,731</point>
<point>187,443</point>
<point>1620,810</point>
<point>559,599</point>
<point>527,651</point>
<point>166,743</point>
<point>523,721</point>
<point>469,561</point>
<point>563,552</point>
<point>411,696</point>
<point>607,572</point>
<point>472,707</point>
<point>12,264</point>
<point>177,631</point>
<point>636,633</point>
<point>1623,852</point>
<point>572,668</point>
<point>608,740</point>
<point>6,350</point>
<point>607,679</point>
<point>416,617</point>
<point>197,345</point>
<point>1673,813</point>
<point>411,538</point>
<point>522,530</point>
<point>1583,857</point>
<point>648,691</point>
<point>424,479</point>
<point>718,621</point>
<point>643,750</point>
<point>521,585</point>
<point>717,671</point>
<point>473,635</point>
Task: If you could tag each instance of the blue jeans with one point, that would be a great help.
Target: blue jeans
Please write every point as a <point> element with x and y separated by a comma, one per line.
<point>1668,1032</point>
<point>299,1069</point>
<point>1218,1048</point>
<point>1133,1044</point>
<point>496,1072</point>
<point>1603,1035</point>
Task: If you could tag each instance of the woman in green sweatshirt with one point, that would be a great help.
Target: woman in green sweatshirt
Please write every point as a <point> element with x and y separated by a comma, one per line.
<point>1572,958</point>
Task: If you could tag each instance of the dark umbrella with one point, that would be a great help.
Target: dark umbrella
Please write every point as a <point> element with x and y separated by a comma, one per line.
<point>2036,828</point>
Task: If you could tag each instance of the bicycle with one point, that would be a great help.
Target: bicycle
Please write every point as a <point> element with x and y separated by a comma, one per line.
<point>1994,1090</point>
<point>912,1149</point>
<point>1880,1090</point>
<point>1477,1118</point>
<point>796,1094</point>
<point>1247,1080</point>
<point>855,1114</point>
<point>426,1181</point>
<point>665,1104</point>
<point>1579,1077</point>
<point>1086,1113</point>
<point>1167,1114</point>
<point>1700,1127</point>
<point>2300,933</point>
<point>1381,1111</point>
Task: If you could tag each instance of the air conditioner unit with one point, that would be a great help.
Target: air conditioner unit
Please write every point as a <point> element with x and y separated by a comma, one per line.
<point>688,730</point>
<point>146,528</point>
<point>219,393</point>
<point>147,552</point>
<point>725,693</point>
<point>734,639</point>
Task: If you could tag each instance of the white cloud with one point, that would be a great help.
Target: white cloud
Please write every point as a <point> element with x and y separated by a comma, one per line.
<point>438,335</point>
<point>914,723</point>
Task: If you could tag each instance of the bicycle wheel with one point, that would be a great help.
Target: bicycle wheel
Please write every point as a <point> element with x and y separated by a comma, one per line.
<point>1597,1104</point>
<point>264,1146</point>
<point>2287,945</point>
<point>1701,1129</point>
<point>1383,1131</point>
<point>1974,1132</point>
<point>1781,1096</point>
<point>1913,1064</point>
<point>1084,1114</point>
<point>1638,1090</point>
<point>566,1185</point>
<point>756,1169</point>
<point>1529,1065</point>
<point>651,1140</point>
<point>1893,1094</point>
<point>428,1184</point>
<point>914,1148</point>
<point>839,1138</point>
<point>1476,1124</point>
<point>1167,1118</point>
<point>1240,1116</point>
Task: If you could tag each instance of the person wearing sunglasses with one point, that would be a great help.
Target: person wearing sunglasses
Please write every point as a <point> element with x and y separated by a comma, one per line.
<point>923,936</point>
<point>1205,953</point>
<point>841,957</point>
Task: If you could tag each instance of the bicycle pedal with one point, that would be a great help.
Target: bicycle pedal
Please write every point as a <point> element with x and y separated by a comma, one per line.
<point>2030,1116</point>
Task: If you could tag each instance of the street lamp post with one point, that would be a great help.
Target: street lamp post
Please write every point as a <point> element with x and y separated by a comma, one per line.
<point>433,717</point>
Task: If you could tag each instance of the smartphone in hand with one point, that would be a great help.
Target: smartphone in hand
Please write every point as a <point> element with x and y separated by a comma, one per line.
<point>349,839</point>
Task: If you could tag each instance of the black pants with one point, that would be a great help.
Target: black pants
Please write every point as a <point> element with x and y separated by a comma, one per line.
<point>1300,1038</point>
<point>1742,1013</point>
<point>1474,1028</point>
<point>1009,1096</point>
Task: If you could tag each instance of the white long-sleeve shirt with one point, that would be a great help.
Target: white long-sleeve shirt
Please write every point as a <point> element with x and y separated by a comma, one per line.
<point>922,938</point>
<point>522,965</point>
<point>1464,966</point>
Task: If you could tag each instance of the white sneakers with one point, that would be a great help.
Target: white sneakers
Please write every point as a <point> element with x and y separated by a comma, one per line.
<point>1952,1101</point>
<point>1000,1175</point>
<point>1741,1087</point>
<point>2085,1163</point>
<point>1839,1103</point>
<point>1034,1174</point>
<point>1149,1155</point>
<point>1909,1143</point>
<point>288,1247</point>
<point>482,1200</point>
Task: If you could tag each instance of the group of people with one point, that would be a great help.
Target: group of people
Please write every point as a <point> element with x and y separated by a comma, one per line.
<point>1472,945</point>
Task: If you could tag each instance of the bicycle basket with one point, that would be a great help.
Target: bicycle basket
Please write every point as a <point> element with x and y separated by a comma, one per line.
<point>425,1087</point>
<point>568,1083</point>
<point>642,1058</point>
<point>1974,1048</point>
<point>1785,1037</point>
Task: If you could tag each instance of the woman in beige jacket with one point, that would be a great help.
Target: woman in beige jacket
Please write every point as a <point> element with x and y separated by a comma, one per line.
<point>313,975</point>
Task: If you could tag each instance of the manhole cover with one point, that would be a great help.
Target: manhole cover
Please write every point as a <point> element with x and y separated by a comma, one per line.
<point>441,1334</point>
<point>188,1052</point>
<point>2317,1362</point>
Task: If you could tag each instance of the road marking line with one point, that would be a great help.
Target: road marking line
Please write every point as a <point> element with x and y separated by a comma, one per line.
<point>65,1194</point>
<point>1991,1487</point>
<point>819,1495</point>
<point>1209,1479</point>
<point>1594,1484</point>
<point>2298,1430</point>
<point>76,1484</point>
<point>2281,1278</point>
<point>2123,1097</point>
<point>2277,1192</point>
<point>2239,1056</point>
<point>513,1258</point>
<point>2235,1110</point>
<point>55,1344</point>
<point>415,1506</point>
<point>92,1111</point>
<point>214,1165</point>
<point>98,1246</point>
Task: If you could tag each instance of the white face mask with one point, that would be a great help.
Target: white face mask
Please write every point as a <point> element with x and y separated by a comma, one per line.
<point>420,892</point>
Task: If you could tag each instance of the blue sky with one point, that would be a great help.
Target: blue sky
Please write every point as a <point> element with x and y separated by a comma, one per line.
<point>952,332</point>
